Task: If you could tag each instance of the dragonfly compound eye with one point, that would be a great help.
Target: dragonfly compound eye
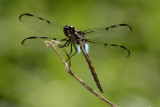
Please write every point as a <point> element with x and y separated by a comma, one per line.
<point>69,30</point>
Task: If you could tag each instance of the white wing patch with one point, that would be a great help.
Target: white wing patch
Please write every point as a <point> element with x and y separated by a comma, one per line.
<point>79,50</point>
<point>86,47</point>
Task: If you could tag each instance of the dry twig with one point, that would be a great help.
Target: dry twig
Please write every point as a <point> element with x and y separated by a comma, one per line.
<point>57,43</point>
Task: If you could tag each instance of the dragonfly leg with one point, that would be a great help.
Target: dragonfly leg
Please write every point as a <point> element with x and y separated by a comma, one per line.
<point>66,44</point>
<point>71,52</point>
<point>65,39</point>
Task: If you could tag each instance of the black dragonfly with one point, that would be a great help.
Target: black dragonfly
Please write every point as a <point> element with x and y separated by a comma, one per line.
<point>93,42</point>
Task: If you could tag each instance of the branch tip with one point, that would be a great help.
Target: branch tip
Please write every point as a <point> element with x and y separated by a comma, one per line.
<point>67,68</point>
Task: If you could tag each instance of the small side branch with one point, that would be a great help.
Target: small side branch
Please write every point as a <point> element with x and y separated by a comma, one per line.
<point>57,43</point>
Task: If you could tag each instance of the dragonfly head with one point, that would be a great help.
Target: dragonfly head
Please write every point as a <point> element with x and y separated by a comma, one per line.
<point>69,30</point>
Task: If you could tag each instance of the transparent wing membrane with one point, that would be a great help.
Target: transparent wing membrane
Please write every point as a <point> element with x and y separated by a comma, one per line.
<point>108,33</point>
<point>38,43</point>
<point>42,25</point>
<point>106,50</point>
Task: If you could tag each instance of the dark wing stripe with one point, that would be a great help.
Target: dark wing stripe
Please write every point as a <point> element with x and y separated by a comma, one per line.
<point>107,47</point>
<point>105,44</point>
<point>114,45</point>
<point>48,22</point>
<point>40,18</point>
<point>35,37</point>
<point>107,28</point>
<point>127,50</point>
<point>123,24</point>
<point>126,25</point>
<point>121,47</point>
<point>107,34</point>
<point>25,14</point>
<point>42,25</point>
<point>113,26</point>
<point>44,37</point>
<point>32,37</point>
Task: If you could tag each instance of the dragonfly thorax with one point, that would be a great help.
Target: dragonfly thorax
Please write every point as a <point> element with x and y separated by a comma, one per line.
<point>69,30</point>
<point>78,38</point>
<point>75,36</point>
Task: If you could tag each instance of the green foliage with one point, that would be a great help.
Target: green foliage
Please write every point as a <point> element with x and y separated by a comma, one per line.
<point>33,79</point>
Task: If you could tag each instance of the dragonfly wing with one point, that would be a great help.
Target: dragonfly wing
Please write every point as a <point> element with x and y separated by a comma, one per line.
<point>42,25</point>
<point>106,50</point>
<point>108,33</point>
<point>38,43</point>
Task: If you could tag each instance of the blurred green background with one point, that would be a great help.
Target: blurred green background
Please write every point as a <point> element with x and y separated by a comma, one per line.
<point>32,79</point>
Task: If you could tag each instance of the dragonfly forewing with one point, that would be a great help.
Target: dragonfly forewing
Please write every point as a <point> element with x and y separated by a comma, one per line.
<point>42,25</point>
<point>108,33</point>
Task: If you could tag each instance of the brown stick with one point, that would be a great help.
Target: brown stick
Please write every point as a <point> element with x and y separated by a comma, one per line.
<point>57,43</point>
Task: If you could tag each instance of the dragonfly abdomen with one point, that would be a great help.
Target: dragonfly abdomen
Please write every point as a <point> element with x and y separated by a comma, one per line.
<point>92,70</point>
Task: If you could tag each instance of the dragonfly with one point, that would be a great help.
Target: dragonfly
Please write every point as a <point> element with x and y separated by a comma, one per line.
<point>93,42</point>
